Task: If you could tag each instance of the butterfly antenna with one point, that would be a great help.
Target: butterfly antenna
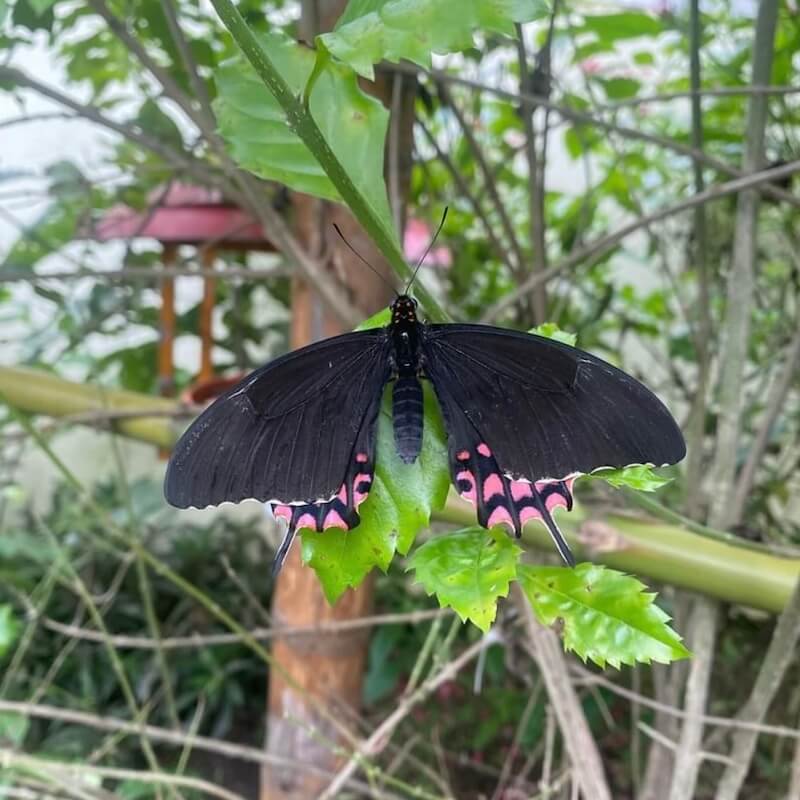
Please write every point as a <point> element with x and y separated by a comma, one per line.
<point>427,250</point>
<point>361,258</point>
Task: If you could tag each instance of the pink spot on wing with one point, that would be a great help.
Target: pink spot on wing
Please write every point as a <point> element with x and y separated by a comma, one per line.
<point>463,455</point>
<point>484,450</point>
<point>520,490</point>
<point>358,496</point>
<point>491,486</point>
<point>528,513</point>
<point>500,516</point>
<point>307,521</point>
<point>555,500</point>
<point>469,494</point>
<point>334,520</point>
<point>282,511</point>
<point>343,494</point>
<point>362,458</point>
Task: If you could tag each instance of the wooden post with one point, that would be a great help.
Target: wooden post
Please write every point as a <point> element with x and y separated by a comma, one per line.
<point>328,667</point>
<point>206,317</point>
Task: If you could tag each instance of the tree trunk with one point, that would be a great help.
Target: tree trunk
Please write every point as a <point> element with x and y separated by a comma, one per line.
<point>328,668</point>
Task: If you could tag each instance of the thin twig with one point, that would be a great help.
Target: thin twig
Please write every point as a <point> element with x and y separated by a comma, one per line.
<point>258,634</point>
<point>774,404</point>
<point>381,735</point>
<point>11,759</point>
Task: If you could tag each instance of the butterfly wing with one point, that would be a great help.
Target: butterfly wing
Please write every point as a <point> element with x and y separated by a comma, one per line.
<point>525,414</point>
<point>299,434</point>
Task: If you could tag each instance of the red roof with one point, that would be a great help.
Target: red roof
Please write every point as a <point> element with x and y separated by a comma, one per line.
<point>183,215</point>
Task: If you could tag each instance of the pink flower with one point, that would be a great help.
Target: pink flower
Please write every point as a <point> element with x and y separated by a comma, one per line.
<point>416,239</point>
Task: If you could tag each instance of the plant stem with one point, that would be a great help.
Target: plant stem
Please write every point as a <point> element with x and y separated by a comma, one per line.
<point>304,126</point>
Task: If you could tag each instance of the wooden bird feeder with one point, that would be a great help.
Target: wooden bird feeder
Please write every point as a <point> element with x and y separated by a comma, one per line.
<point>195,216</point>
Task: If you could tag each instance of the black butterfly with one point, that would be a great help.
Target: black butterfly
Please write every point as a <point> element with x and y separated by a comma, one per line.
<point>524,416</point>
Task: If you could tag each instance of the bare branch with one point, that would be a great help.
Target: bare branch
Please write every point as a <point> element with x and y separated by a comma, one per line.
<point>597,249</point>
<point>583,753</point>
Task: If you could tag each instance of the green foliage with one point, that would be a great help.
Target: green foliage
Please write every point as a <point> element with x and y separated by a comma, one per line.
<point>9,629</point>
<point>607,616</point>
<point>392,30</point>
<point>641,478</point>
<point>468,571</point>
<point>399,504</point>
<point>261,139</point>
<point>551,331</point>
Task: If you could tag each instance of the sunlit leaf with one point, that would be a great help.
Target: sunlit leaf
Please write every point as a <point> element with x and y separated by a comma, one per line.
<point>468,571</point>
<point>551,331</point>
<point>260,137</point>
<point>391,30</point>
<point>607,616</point>
<point>641,478</point>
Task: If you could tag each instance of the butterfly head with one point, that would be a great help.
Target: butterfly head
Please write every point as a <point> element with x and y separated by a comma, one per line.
<point>404,309</point>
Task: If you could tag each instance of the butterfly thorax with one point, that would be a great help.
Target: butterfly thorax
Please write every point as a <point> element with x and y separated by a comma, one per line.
<point>407,398</point>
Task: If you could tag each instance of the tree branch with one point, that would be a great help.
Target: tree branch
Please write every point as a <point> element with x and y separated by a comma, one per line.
<point>599,247</point>
<point>548,653</point>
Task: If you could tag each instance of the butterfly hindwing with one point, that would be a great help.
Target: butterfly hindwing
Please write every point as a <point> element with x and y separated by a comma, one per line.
<point>525,415</point>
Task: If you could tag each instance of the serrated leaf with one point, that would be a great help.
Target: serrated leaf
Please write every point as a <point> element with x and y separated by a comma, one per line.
<point>551,331</point>
<point>608,616</point>
<point>468,571</point>
<point>260,139</point>
<point>641,478</point>
<point>391,30</point>
<point>399,504</point>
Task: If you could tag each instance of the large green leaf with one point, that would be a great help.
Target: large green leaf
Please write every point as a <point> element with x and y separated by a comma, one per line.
<point>261,140</point>
<point>391,30</point>
<point>468,571</point>
<point>399,505</point>
<point>608,616</point>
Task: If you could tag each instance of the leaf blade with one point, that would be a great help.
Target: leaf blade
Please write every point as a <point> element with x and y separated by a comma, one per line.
<point>468,571</point>
<point>607,615</point>
<point>392,30</point>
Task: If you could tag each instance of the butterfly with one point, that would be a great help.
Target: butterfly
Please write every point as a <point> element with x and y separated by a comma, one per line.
<point>524,416</point>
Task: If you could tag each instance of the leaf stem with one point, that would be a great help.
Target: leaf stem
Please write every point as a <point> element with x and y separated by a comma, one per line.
<point>304,126</point>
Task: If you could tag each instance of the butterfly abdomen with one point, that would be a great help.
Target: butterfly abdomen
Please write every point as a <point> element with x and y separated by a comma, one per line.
<point>407,410</point>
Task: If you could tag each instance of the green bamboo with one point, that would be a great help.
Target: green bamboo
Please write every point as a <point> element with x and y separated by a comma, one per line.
<point>38,392</point>
<point>652,549</point>
<point>303,125</point>
<point>668,554</point>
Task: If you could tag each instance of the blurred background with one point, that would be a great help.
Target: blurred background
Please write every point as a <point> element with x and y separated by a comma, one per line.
<point>623,170</point>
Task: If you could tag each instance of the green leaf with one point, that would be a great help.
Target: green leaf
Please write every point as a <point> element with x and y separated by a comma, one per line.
<point>468,571</point>
<point>379,320</point>
<point>607,616</point>
<point>398,506</point>
<point>620,88</point>
<point>638,477</point>
<point>13,728</point>
<point>551,331</point>
<point>392,30</point>
<point>260,138</point>
<point>625,25</point>
<point>8,628</point>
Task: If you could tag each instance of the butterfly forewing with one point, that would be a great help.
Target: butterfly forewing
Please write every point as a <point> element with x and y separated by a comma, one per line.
<point>548,410</point>
<point>288,432</point>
